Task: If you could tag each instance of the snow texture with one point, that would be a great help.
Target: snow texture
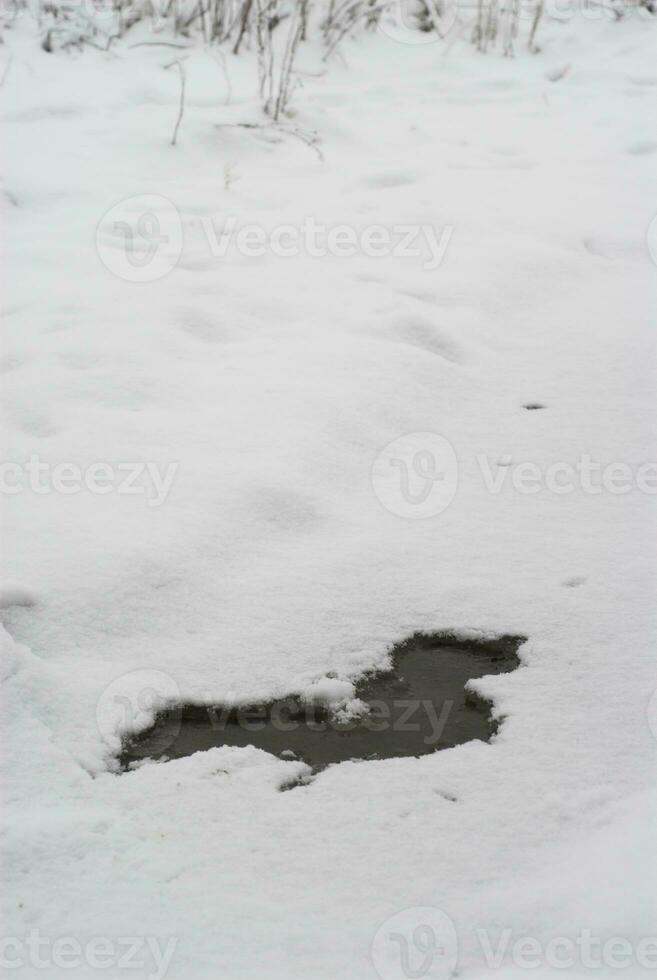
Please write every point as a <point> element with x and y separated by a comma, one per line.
<point>271,568</point>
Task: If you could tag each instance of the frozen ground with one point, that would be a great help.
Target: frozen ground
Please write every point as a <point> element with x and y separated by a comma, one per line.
<point>274,383</point>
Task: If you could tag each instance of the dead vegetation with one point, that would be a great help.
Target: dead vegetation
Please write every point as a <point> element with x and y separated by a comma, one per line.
<point>274,32</point>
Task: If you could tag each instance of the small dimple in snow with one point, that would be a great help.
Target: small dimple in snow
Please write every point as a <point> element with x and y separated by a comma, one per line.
<point>285,509</point>
<point>574,582</point>
<point>424,296</point>
<point>446,796</point>
<point>505,151</point>
<point>201,327</point>
<point>648,80</point>
<point>8,197</point>
<point>501,165</point>
<point>43,113</point>
<point>421,332</point>
<point>641,147</point>
<point>390,178</point>
<point>11,362</point>
<point>34,423</point>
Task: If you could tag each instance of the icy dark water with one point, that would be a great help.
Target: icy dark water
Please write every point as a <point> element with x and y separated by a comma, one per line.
<point>418,706</point>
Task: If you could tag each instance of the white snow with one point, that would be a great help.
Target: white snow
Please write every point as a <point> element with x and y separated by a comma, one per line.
<point>270,567</point>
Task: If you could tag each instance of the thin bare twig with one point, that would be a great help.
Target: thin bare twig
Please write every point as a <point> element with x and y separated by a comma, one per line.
<point>221,61</point>
<point>182,102</point>
<point>532,34</point>
<point>5,73</point>
<point>246,11</point>
<point>163,44</point>
<point>310,139</point>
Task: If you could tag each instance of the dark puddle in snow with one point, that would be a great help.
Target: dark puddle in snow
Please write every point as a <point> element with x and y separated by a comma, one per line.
<point>418,706</point>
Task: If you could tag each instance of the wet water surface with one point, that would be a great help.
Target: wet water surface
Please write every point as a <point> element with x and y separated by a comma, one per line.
<point>418,706</point>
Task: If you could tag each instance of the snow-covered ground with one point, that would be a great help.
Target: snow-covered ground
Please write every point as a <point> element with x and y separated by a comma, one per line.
<point>261,390</point>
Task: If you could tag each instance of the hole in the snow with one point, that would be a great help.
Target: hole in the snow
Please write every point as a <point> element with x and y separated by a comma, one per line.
<point>417,706</point>
<point>534,406</point>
